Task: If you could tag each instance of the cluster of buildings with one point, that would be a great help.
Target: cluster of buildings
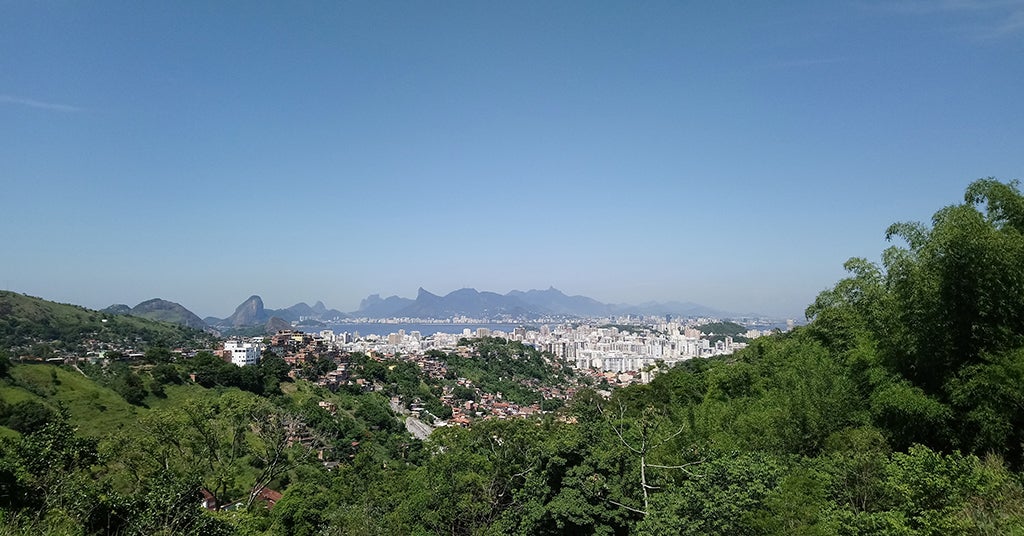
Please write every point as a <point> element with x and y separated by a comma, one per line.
<point>585,346</point>
<point>617,350</point>
<point>295,347</point>
<point>489,406</point>
<point>611,355</point>
<point>607,348</point>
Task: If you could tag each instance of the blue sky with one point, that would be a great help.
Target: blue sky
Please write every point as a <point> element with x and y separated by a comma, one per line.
<point>731,154</point>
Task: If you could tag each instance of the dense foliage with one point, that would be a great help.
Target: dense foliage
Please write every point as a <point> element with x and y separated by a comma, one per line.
<point>897,410</point>
<point>508,367</point>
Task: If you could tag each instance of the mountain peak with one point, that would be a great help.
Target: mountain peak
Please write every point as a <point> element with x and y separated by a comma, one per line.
<point>369,301</point>
<point>118,309</point>
<point>153,302</point>
<point>249,313</point>
<point>375,307</point>
<point>161,310</point>
<point>423,293</point>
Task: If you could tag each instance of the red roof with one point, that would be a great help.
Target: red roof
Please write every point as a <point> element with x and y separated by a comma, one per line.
<point>269,496</point>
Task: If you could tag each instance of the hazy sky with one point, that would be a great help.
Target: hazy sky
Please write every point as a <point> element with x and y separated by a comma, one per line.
<point>733,154</point>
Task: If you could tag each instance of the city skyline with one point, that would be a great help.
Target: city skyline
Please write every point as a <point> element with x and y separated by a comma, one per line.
<point>732,156</point>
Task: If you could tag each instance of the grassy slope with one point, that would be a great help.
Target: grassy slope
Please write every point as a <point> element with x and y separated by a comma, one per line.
<point>95,409</point>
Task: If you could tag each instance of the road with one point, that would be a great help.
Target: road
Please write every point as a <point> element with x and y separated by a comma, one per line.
<point>418,428</point>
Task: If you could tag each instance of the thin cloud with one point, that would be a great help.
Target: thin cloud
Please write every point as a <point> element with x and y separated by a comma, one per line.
<point>32,103</point>
<point>934,6</point>
<point>1011,25</point>
<point>991,18</point>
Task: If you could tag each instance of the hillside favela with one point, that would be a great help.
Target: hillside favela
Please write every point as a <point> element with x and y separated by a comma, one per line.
<point>522,268</point>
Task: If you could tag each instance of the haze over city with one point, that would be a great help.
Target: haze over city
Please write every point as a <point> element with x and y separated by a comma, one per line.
<point>728,155</point>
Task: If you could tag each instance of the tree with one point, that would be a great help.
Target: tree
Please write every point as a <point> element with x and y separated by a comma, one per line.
<point>166,374</point>
<point>274,370</point>
<point>991,394</point>
<point>643,436</point>
<point>276,433</point>
<point>5,363</point>
<point>316,367</point>
<point>130,386</point>
<point>960,284</point>
<point>167,505</point>
<point>857,459</point>
<point>302,511</point>
<point>731,487</point>
<point>202,437</point>
<point>210,370</point>
<point>945,313</point>
<point>464,393</point>
<point>158,354</point>
<point>798,506</point>
<point>51,470</point>
<point>234,445</point>
<point>29,416</point>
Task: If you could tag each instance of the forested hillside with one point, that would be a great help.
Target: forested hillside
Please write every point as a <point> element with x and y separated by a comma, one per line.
<point>35,328</point>
<point>899,409</point>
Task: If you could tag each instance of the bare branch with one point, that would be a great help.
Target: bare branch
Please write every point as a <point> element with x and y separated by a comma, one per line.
<point>630,508</point>
<point>683,466</point>
<point>671,437</point>
<point>623,440</point>
<point>522,473</point>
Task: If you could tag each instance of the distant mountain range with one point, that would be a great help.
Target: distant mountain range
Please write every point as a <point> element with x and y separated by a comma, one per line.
<point>250,313</point>
<point>532,303</point>
<point>466,302</point>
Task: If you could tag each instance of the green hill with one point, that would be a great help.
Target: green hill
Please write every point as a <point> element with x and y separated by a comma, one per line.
<point>167,311</point>
<point>96,409</point>
<point>36,327</point>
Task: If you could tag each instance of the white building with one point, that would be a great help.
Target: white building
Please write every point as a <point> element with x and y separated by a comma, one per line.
<point>243,353</point>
